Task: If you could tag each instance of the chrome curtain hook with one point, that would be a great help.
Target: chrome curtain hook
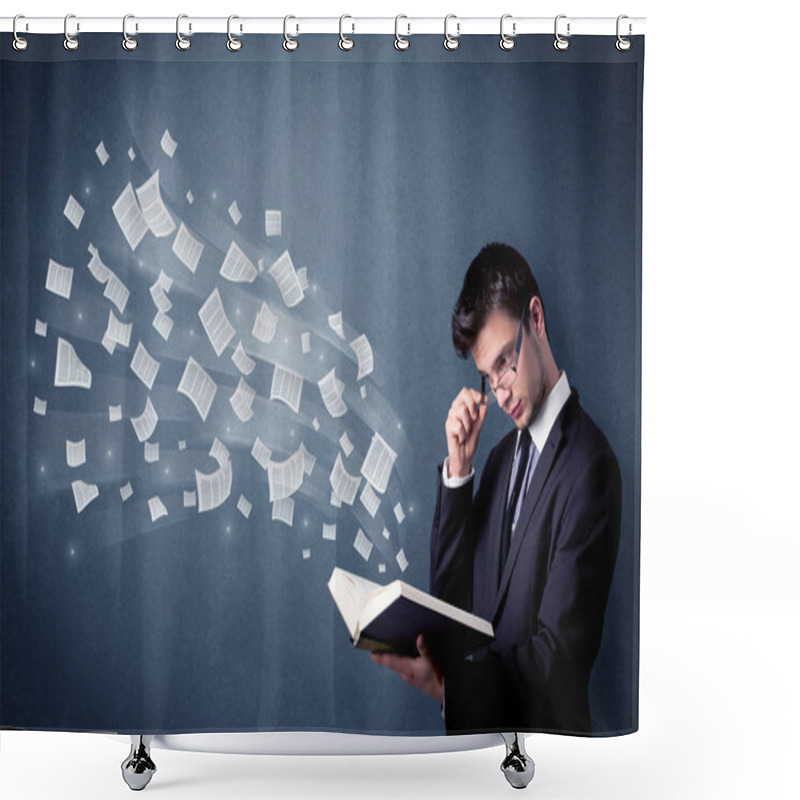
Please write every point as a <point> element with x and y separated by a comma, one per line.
<point>623,44</point>
<point>233,44</point>
<point>289,44</point>
<point>451,42</point>
<point>20,43</point>
<point>70,42</point>
<point>128,42</point>
<point>400,42</point>
<point>560,42</point>
<point>345,43</point>
<point>182,43</point>
<point>507,42</point>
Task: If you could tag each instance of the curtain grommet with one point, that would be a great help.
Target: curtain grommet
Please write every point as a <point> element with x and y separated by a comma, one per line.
<point>182,43</point>
<point>128,42</point>
<point>233,44</point>
<point>451,42</point>
<point>561,44</point>
<point>507,42</point>
<point>345,42</point>
<point>20,43</point>
<point>289,43</point>
<point>401,42</point>
<point>70,42</point>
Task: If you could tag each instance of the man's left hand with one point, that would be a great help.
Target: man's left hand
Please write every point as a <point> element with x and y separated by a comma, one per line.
<point>421,672</point>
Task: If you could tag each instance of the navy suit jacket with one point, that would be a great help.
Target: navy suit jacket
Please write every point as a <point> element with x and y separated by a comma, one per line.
<point>549,606</point>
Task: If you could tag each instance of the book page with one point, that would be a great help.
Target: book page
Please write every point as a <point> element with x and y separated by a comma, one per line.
<point>59,279</point>
<point>286,477</point>
<point>83,494</point>
<point>363,350</point>
<point>126,491</point>
<point>168,144</point>
<point>155,213</point>
<point>129,217</point>
<point>261,453</point>
<point>144,366</point>
<point>285,276</point>
<point>377,466</point>
<point>117,292</point>
<point>343,483</point>
<point>70,370</point>
<point>145,424</point>
<point>157,508</point>
<point>187,248</point>
<point>331,391</point>
<point>336,325</point>
<point>74,212</point>
<point>198,386</point>
<point>244,506</point>
<point>363,545</point>
<point>76,453</point>
<point>243,362</point>
<point>215,321</point>
<point>287,386</point>
<point>151,452</point>
<point>117,331</point>
<point>370,500</point>
<point>237,267</point>
<point>213,489</point>
<point>102,154</point>
<point>265,324</point>
<point>158,291</point>
<point>163,324</point>
<point>100,272</point>
<point>283,511</point>
<point>272,222</point>
<point>242,400</point>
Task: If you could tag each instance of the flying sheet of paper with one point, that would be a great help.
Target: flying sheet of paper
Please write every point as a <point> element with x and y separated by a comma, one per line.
<point>181,444</point>
<point>76,453</point>
<point>309,460</point>
<point>378,464</point>
<point>386,534</point>
<point>286,477</point>
<point>234,212</point>
<point>215,321</point>
<point>168,144</point>
<point>59,279</point>
<point>306,553</point>
<point>70,370</point>
<point>189,499</point>
<point>39,406</point>
<point>154,210</point>
<point>213,489</point>
<point>315,424</point>
<point>126,491</point>
<point>283,511</point>
<point>219,452</point>
<point>399,514</point>
<point>145,424</point>
<point>346,444</point>
<point>115,414</point>
<point>336,324</point>
<point>73,211</point>
<point>243,362</point>
<point>108,343</point>
<point>131,154</point>
<point>370,500</point>
<point>363,545</point>
<point>129,216</point>
<point>285,276</point>
<point>402,561</point>
<point>157,508</point>
<point>151,452</point>
<point>381,568</point>
<point>158,291</point>
<point>144,366</point>
<point>163,324</point>
<point>363,392</point>
<point>190,197</point>
<point>100,272</point>
<point>331,390</point>
<point>302,276</point>
<point>265,324</point>
<point>287,386</point>
<point>244,506</point>
<point>363,350</point>
<point>305,342</point>
<point>187,248</point>
<point>40,329</point>
<point>272,222</point>
<point>336,501</point>
<point>117,331</point>
<point>102,153</point>
<point>198,386</point>
<point>237,267</point>
<point>242,401</point>
<point>343,483</point>
<point>117,292</point>
<point>84,493</point>
<point>261,453</point>
<point>329,532</point>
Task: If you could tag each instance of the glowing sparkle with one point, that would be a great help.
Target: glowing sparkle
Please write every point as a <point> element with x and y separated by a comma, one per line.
<point>166,471</point>
<point>72,552</point>
<point>33,363</point>
<point>80,315</point>
<point>227,529</point>
<point>110,453</point>
<point>41,469</point>
<point>213,195</point>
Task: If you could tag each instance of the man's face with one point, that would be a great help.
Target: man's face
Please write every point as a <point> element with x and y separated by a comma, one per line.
<point>495,346</point>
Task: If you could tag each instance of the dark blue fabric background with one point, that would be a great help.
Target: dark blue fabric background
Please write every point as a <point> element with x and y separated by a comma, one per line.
<point>392,170</point>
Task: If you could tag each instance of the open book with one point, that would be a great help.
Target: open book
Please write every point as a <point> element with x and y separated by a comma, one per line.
<point>388,618</point>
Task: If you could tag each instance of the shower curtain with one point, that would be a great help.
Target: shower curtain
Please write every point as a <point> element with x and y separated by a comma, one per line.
<point>227,282</point>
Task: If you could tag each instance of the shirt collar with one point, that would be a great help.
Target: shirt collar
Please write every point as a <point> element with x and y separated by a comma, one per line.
<point>542,424</point>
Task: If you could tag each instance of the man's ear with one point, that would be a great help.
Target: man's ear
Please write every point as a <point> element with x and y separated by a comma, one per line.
<point>536,313</point>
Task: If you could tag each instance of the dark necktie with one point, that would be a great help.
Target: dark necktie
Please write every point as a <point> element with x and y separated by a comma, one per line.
<point>523,453</point>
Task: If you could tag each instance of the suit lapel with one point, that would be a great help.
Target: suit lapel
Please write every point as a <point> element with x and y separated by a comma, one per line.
<point>499,506</point>
<point>538,481</point>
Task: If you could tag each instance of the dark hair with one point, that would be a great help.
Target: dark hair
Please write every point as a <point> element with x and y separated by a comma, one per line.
<point>498,278</point>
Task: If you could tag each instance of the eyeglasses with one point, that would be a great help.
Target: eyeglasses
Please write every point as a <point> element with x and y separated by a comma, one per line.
<point>507,365</point>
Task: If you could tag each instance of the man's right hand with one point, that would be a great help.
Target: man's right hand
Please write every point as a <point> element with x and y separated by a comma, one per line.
<point>463,428</point>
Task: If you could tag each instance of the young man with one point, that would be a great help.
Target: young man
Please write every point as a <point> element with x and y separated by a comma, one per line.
<point>533,549</point>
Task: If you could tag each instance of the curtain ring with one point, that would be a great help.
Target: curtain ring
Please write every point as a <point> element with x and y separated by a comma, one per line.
<point>233,44</point>
<point>623,44</point>
<point>289,44</point>
<point>128,42</point>
<point>182,43</point>
<point>561,43</point>
<point>345,43</point>
<point>400,42</point>
<point>70,42</point>
<point>507,42</point>
<point>20,43</point>
<point>451,42</point>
